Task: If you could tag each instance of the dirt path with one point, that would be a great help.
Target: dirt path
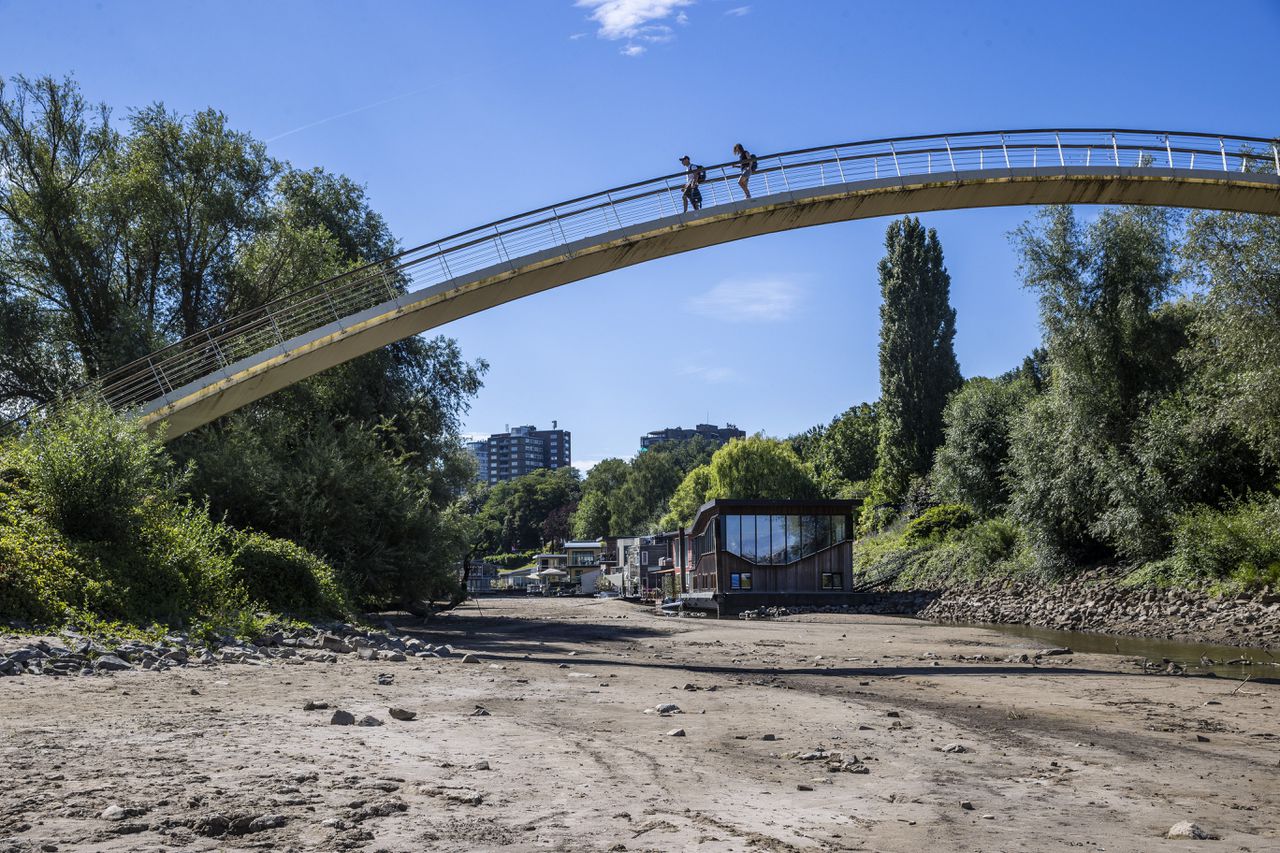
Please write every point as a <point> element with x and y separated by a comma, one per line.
<point>1075,752</point>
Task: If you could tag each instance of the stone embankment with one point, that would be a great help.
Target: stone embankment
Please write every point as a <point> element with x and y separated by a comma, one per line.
<point>72,654</point>
<point>1092,602</point>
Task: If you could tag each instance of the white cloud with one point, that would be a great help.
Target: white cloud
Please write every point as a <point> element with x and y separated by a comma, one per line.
<point>637,21</point>
<point>585,465</point>
<point>739,11</point>
<point>756,301</point>
<point>709,373</point>
<point>577,36</point>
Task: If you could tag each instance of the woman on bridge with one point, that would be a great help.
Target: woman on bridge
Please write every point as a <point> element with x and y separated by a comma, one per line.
<point>747,163</point>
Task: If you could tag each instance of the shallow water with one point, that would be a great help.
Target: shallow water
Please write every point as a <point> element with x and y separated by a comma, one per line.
<point>1227,661</point>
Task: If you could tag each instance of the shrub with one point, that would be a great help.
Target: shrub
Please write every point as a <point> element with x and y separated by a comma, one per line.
<point>936,523</point>
<point>1240,544</point>
<point>511,561</point>
<point>40,577</point>
<point>285,577</point>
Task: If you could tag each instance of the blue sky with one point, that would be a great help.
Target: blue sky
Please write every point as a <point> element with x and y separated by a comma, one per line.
<point>455,114</point>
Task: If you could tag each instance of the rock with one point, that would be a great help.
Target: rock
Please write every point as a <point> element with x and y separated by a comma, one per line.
<point>892,714</point>
<point>267,821</point>
<point>114,812</point>
<point>316,706</point>
<point>396,657</point>
<point>342,718</point>
<point>803,787</point>
<point>668,708</point>
<point>470,658</point>
<point>480,765</point>
<point>966,805</point>
<point>1187,829</point>
<point>1048,653</point>
<point>480,711</point>
<point>110,663</point>
<point>954,747</point>
<point>768,737</point>
<point>676,733</point>
<point>369,720</point>
<point>211,825</point>
<point>368,653</point>
<point>401,714</point>
<point>1202,739</point>
<point>384,678</point>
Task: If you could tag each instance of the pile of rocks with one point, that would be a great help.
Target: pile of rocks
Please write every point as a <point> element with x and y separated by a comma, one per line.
<point>1094,602</point>
<point>72,654</point>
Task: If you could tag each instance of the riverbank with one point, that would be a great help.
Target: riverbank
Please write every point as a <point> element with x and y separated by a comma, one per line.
<point>823,732</point>
<point>1094,601</point>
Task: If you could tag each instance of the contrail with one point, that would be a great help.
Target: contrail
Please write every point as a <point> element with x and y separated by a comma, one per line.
<point>380,103</point>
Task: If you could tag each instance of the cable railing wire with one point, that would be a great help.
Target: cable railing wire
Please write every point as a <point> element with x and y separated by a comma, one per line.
<point>508,241</point>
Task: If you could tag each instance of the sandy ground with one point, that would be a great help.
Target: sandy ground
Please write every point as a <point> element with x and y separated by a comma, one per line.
<point>1078,752</point>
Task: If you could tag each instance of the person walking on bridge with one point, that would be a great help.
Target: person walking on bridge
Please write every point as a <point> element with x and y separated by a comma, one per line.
<point>747,163</point>
<point>694,175</point>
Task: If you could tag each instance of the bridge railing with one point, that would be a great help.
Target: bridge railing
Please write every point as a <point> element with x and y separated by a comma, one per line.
<point>507,241</point>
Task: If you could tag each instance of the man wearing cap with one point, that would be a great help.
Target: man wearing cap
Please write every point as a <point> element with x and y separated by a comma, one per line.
<point>691,192</point>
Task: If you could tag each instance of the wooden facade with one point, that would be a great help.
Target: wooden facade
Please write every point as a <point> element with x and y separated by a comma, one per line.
<point>807,548</point>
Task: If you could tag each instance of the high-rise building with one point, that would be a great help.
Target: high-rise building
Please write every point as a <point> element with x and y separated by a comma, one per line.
<point>711,432</point>
<point>519,450</point>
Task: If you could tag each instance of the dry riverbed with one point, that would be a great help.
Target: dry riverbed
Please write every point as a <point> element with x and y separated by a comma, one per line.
<point>807,733</point>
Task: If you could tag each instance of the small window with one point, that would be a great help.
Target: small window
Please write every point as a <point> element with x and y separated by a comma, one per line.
<point>746,580</point>
<point>735,581</point>
<point>832,580</point>
<point>644,558</point>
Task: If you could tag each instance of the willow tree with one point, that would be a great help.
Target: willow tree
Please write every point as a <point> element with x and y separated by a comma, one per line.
<point>918,367</point>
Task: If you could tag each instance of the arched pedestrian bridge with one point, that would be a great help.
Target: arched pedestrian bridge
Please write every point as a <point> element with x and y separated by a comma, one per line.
<point>247,357</point>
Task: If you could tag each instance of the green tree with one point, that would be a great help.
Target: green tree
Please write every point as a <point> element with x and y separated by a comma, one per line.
<point>842,453</point>
<point>591,520</point>
<point>918,367</point>
<point>969,466</point>
<point>639,503</point>
<point>752,468</point>
<point>1078,486</point>
<point>1236,257</point>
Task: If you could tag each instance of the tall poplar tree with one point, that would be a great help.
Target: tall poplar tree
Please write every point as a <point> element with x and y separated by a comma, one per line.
<point>918,367</point>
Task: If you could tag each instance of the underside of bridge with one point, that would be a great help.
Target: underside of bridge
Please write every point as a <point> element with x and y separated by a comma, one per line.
<point>228,389</point>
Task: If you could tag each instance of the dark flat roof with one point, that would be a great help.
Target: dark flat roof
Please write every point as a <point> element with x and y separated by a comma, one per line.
<point>779,507</point>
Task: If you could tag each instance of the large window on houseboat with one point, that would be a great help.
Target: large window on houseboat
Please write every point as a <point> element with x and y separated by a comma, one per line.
<point>781,539</point>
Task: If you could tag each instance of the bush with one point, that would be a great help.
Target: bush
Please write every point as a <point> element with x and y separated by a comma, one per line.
<point>510,561</point>
<point>92,520</point>
<point>936,523</point>
<point>285,577</point>
<point>40,577</point>
<point>1240,545</point>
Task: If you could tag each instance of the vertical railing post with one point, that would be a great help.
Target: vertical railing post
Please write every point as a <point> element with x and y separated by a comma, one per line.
<point>217,353</point>
<point>949,155</point>
<point>155,374</point>
<point>929,162</point>
<point>783,169</point>
<point>1222,147</point>
<point>616,218</point>
<point>1035,156</point>
<point>840,167</point>
<point>564,241</point>
<point>1168,149</point>
<point>1005,148</point>
<point>894,152</point>
<point>1115,149</point>
<point>1275,150</point>
<point>1062,161</point>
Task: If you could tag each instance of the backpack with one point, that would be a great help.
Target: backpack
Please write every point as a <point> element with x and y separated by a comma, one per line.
<point>753,164</point>
<point>702,174</point>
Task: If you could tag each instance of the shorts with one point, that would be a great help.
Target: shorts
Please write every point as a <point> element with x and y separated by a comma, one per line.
<point>694,195</point>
